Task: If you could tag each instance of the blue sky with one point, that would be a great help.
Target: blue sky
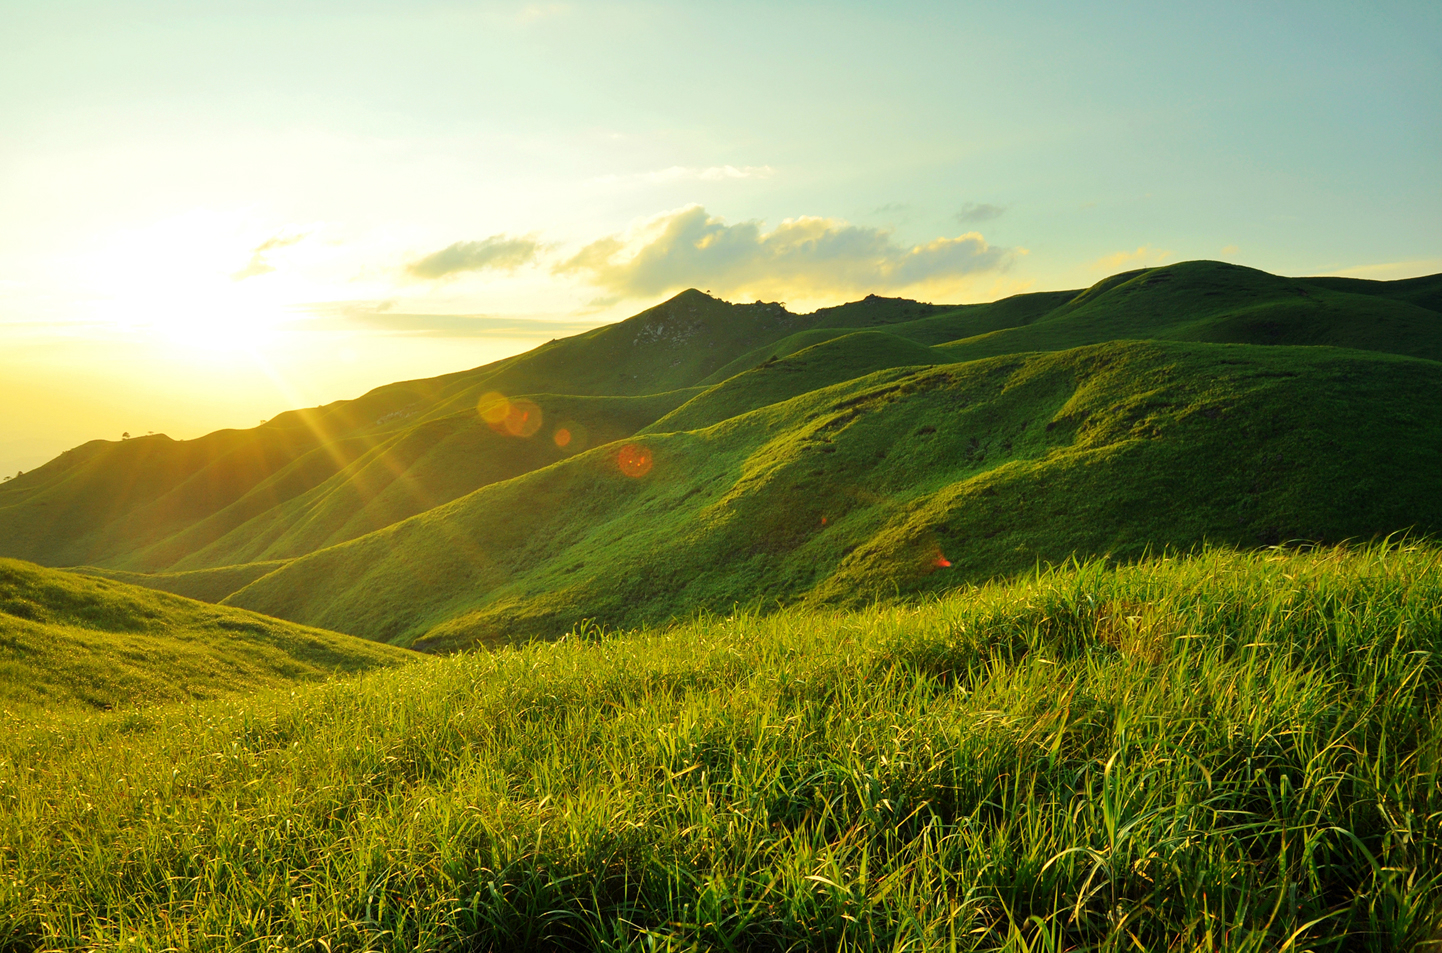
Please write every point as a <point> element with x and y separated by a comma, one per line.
<point>213,212</point>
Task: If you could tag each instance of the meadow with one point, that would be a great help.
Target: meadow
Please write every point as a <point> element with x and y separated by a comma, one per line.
<point>69,642</point>
<point>704,455</point>
<point>1228,750</point>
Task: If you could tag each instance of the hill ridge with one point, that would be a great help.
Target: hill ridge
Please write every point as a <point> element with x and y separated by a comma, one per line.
<point>993,495</point>
<point>74,643</point>
<point>243,511</point>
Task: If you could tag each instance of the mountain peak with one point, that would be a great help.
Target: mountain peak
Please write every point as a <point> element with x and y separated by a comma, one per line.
<point>693,296</point>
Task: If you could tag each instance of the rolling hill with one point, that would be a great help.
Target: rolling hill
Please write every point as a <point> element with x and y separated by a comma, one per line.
<point>319,475</point>
<point>903,480</point>
<point>1206,301</point>
<point>74,643</point>
<point>881,447</point>
<point>1232,751</point>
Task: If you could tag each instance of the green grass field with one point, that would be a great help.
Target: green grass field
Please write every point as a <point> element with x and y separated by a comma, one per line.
<point>73,644</point>
<point>1087,620</point>
<point>1232,751</point>
<point>234,502</point>
<point>859,490</point>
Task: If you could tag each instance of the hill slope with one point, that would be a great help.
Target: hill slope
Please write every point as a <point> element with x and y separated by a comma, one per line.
<point>1237,751</point>
<point>71,642</point>
<point>212,516</point>
<point>871,487</point>
<point>842,357</point>
<point>1216,302</point>
<point>310,478</point>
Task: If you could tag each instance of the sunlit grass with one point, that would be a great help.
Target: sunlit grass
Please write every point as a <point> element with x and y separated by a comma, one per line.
<point>70,642</point>
<point>1231,751</point>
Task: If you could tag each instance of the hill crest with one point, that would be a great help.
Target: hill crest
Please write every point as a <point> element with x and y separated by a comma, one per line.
<point>240,510</point>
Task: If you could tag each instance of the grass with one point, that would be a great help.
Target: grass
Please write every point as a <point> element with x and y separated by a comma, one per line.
<point>1220,303</point>
<point>856,491</point>
<point>1230,751</point>
<point>207,585</point>
<point>153,504</point>
<point>75,644</point>
<point>317,477</point>
<point>841,356</point>
<point>413,469</point>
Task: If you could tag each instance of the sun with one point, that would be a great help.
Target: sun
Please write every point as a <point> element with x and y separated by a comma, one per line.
<point>182,283</point>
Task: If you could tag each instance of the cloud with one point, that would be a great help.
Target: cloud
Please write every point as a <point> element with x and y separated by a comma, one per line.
<point>689,248</point>
<point>679,173</point>
<point>258,265</point>
<point>974,213</point>
<point>382,316</point>
<point>1392,271</point>
<point>1143,256</point>
<point>498,252</point>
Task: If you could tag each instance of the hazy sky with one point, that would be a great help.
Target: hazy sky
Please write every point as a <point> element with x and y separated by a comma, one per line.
<point>212,212</point>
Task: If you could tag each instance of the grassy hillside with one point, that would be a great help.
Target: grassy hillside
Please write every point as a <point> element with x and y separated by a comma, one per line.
<point>843,357</point>
<point>1233,752</point>
<point>310,478</point>
<point>151,503</point>
<point>104,499</point>
<point>1213,301</point>
<point>75,643</point>
<point>411,471</point>
<point>236,505</point>
<point>905,480</point>
<point>207,585</point>
<point>1424,292</point>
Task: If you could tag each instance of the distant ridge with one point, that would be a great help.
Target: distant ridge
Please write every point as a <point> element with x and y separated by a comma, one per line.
<point>69,644</point>
<point>905,480</point>
<point>1169,406</point>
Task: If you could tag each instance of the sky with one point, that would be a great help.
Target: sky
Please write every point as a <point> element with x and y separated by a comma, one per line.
<point>213,212</point>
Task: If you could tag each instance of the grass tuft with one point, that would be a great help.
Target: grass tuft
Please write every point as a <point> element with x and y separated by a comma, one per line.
<point>1227,751</point>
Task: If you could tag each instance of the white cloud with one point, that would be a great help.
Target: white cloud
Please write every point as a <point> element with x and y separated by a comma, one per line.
<point>497,252</point>
<point>533,12</point>
<point>1392,271</point>
<point>802,256</point>
<point>391,317</point>
<point>1144,256</point>
<point>259,265</point>
<point>974,213</point>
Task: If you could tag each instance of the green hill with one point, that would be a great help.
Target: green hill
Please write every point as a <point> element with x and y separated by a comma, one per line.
<point>411,471</point>
<point>207,585</point>
<point>1234,751</point>
<point>1425,292</point>
<point>1199,401</point>
<point>1212,301</point>
<point>840,356</point>
<point>310,478</point>
<point>153,503</point>
<point>70,642</point>
<point>864,489</point>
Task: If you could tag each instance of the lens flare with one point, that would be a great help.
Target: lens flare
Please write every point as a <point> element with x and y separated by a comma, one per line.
<point>571,437</point>
<point>634,460</point>
<point>518,418</point>
<point>523,418</point>
<point>493,408</point>
<point>942,562</point>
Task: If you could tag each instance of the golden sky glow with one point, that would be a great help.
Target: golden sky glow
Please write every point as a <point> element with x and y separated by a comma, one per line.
<point>210,213</point>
